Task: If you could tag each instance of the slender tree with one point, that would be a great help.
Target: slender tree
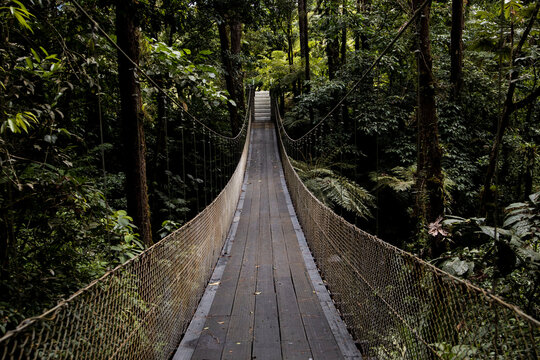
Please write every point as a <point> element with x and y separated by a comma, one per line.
<point>227,62</point>
<point>132,118</point>
<point>343,48</point>
<point>360,37</point>
<point>456,48</point>
<point>332,39</point>
<point>429,172</point>
<point>304,46</point>
<point>236,30</point>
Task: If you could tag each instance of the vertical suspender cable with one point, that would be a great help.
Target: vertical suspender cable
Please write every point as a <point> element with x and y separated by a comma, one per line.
<point>204,167</point>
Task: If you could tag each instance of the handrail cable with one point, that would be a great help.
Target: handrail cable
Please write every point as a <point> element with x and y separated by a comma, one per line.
<point>149,78</point>
<point>372,66</point>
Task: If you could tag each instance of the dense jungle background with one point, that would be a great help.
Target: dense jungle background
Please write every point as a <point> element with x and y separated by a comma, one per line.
<point>434,149</point>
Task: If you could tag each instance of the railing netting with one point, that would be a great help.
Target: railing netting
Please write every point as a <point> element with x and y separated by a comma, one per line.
<point>396,305</point>
<point>141,309</point>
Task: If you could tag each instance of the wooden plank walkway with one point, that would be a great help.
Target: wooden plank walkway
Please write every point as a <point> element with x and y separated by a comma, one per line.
<point>265,306</point>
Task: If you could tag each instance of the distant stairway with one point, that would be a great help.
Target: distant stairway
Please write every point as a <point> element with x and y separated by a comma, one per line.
<point>262,106</point>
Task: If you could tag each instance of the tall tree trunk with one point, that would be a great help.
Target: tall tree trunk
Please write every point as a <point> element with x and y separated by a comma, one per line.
<point>332,54</point>
<point>360,38</point>
<point>332,41</point>
<point>229,73</point>
<point>456,48</point>
<point>290,53</point>
<point>429,172</point>
<point>304,46</point>
<point>132,119</point>
<point>238,76</point>
<point>344,34</point>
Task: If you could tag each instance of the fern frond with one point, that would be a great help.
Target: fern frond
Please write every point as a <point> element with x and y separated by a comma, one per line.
<point>349,195</point>
<point>400,178</point>
<point>333,189</point>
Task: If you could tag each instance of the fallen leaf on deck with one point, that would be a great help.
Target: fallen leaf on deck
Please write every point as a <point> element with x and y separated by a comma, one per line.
<point>214,283</point>
<point>257,292</point>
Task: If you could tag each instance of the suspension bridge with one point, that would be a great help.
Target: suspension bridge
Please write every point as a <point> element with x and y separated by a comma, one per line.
<point>239,282</point>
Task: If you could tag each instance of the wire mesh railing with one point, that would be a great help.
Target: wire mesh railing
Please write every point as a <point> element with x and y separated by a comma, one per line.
<point>396,305</point>
<point>140,309</point>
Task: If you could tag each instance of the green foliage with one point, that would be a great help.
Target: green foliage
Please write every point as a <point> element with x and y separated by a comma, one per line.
<point>398,179</point>
<point>508,256</point>
<point>128,245</point>
<point>275,72</point>
<point>333,189</point>
<point>168,227</point>
<point>17,10</point>
<point>18,123</point>
<point>187,71</point>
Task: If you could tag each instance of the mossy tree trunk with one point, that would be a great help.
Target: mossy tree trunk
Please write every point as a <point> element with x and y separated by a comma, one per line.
<point>132,119</point>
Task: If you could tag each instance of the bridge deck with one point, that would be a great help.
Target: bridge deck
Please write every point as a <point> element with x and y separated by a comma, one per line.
<point>265,306</point>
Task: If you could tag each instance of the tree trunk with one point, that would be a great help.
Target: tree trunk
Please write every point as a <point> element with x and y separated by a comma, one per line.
<point>304,46</point>
<point>238,76</point>
<point>360,38</point>
<point>332,42</point>
<point>332,54</point>
<point>132,119</point>
<point>290,53</point>
<point>456,48</point>
<point>429,173</point>
<point>229,73</point>
<point>343,49</point>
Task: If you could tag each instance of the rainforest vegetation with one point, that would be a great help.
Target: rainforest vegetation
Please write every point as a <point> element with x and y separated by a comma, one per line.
<point>434,148</point>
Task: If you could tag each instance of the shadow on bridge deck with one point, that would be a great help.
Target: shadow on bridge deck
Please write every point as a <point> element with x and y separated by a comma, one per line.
<point>266,303</point>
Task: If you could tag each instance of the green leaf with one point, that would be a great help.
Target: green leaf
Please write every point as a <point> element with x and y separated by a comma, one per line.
<point>36,56</point>
<point>29,63</point>
<point>22,21</point>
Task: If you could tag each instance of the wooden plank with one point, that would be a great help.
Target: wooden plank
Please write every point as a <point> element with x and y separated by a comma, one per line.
<point>291,325</point>
<point>227,288</point>
<point>212,338</point>
<point>241,324</point>
<point>226,292</point>
<point>294,344</point>
<point>266,342</point>
<point>237,350</point>
<point>292,350</point>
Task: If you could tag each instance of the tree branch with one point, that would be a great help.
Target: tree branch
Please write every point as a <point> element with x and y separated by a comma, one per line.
<point>526,101</point>
<point>526,32</point>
